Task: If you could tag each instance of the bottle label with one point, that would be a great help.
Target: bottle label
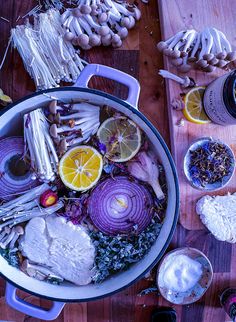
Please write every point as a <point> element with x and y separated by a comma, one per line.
<point>214,103</point>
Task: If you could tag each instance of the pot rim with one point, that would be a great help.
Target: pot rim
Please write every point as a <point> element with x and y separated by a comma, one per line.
<point>174,172</point>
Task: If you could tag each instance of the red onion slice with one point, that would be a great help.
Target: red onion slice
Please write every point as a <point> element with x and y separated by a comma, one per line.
<point>15,177</point>
<point>118,205</point>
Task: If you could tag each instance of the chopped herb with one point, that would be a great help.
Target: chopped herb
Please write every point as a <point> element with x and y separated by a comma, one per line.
<point>11,256</point>
<point>117,253</point>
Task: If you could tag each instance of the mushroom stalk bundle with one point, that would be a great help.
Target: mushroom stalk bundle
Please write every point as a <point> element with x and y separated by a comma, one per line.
<point>73,124</point>
<point>204,50</point>
<point>96,23</point>
<point>43,156</point>
<point>26,207</point>
<point>46,56</point>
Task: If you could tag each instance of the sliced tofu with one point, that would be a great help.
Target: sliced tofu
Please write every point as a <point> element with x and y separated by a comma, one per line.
<point>218,214</point>
<point>67,248</point>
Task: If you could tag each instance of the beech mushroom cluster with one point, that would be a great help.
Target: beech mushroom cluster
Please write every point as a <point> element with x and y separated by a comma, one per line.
<point>72,124</point>
<point>99,22</point>
<point>39,144</point>
<point>24,208</point>
<point>9,236</point>
<point>204,50</point>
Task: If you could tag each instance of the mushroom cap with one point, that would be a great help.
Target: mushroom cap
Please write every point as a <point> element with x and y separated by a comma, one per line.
<point>214,61</point>
<point>221,55</point>
<point>77,12</point>
<point>123,32</point>
<point>222,63</point>
<point>104,30</point>
<point>161,46</point>
<point>69,36</point>
<point>208,57</point>
<point>53,107</point>
<point>117,44</point>
<point>53,131</point>
<point>102,17</point>
<point>209,69</point>
<point>202,63</point>
<point>125,22</point>
<point>231,56</point>
<point>106,40</point>
<point>137,13</point>
<point>24,264</point>
<point>184,68</point>
<point>83,40</point>
<point>94,40</point>
<point>63,146</point>
<point>183,54</point>
<point>191,59</point>
<point>51,118</point>
<point>175,53</point>
<point>131,22</point>
<point>116,38</point>
<point>85,9</point>
<point>187,82</point>
<point>167,51</point>
<point>177,61</point>
<point>57,118</point>
<point>19,230</point>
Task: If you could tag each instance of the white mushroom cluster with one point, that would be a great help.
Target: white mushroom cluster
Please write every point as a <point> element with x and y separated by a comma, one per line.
<point>72,124</point>
<point>46,56</point>
<point>24,208</point>
<point>204,50</point>
<point>39,144</point>
<point>99,22</point>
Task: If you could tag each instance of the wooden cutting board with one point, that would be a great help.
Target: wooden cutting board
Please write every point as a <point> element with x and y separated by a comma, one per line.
<point>176,15</point>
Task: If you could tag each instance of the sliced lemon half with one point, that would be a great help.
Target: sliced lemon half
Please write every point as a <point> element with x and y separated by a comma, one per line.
<point>193,106</point>
<point>80,168</point>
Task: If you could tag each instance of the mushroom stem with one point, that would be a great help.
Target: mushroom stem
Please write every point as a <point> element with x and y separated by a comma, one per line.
<point>184,82</point>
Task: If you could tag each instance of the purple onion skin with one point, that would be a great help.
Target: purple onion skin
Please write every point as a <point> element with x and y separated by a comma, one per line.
<point>10,185</point>
<point>120,206</point>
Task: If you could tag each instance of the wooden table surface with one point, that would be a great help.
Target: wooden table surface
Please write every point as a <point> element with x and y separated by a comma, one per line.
<point>139,58</point>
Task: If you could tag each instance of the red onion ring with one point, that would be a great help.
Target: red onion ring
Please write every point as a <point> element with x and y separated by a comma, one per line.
<point>117,205</point>
<point>11,183</point>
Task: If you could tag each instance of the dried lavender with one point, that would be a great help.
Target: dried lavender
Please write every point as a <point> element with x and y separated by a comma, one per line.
<point>209,163</point>
<point>117,253</point>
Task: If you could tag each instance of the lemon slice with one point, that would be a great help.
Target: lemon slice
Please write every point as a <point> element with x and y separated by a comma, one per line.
<point>193,109</point>
<point>80,168</point>
<point>121,137</point>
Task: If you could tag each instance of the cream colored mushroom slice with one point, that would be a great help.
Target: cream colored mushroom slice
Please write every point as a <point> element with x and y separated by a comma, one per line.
<point>218,214</point>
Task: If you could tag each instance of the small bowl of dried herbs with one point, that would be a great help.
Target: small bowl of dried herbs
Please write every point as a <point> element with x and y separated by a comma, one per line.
<point>209,164</point>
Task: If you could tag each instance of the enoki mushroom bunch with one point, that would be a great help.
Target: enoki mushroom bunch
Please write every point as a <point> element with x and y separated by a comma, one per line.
<point>99,22</point>
<point>46,56</point>
<point>43,156</point>
<point>204,50</point>
<point>25,207</point>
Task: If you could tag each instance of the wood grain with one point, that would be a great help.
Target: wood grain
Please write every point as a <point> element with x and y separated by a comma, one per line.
<point>139,58</point>
<point>198,15</point>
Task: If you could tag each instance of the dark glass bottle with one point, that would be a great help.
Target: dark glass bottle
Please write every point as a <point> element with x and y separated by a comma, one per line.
<point>228,301</point>
<point>220,100</point>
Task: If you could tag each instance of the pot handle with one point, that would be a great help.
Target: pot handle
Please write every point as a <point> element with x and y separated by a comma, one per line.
<point>35,311</point>
<point>101,70</point>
